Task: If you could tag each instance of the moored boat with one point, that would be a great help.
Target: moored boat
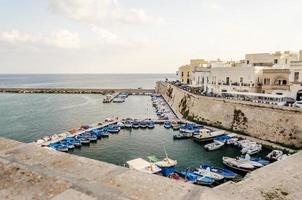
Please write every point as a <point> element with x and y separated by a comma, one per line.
<point>150,124</point>
<point>142,165</point>
<point>143,124</point>
<point>135,124</point>
<point>196,179</point>
<point>207,135</point>
<point>181,136</point>
<point>113,129</point>
<point>274,155</point>
<point>128,124</point>
<point>213,146</point>
<point>238,164</point>
<point>167,124</point>
<point>228,174</point>
<point>208,173</point>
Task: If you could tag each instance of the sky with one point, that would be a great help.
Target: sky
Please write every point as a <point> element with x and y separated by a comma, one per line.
<point>139,36</point>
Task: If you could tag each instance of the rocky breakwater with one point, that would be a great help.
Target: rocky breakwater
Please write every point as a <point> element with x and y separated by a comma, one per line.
<point>282,125</point>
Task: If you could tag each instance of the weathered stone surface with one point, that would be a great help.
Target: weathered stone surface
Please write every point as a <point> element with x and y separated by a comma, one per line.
<point>273,123</point>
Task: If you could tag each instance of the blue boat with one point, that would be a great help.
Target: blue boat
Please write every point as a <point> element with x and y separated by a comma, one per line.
<point>83,140</point>
<point>150,124</point>
<point>58,147</point>
<point>196,179</point>
<point>228,174</point>
<point>143,124</point>
<point>128,124</point>
<point>69,145</point>
<point>135,124</point>
<point>75,142</point>
<point>113,129</point>
<point>258,159</point>
<point>98,133</point>
<point>167,124</point>
<point>222,138</point>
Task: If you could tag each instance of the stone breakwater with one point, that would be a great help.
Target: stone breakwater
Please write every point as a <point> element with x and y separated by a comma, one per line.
<point>282,125</point>
<point>74,90</point>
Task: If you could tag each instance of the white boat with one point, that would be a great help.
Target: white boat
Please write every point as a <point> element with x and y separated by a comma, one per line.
<point>232,141</point>
<point>238,164</point>
<point>274,155</point>
<point>207,135</point>
<point>213,146</point>
<point>252,149</point>
<point>248,158</point>
<point>208,173</point>
<point>142,165</point>
<point>284,156</point>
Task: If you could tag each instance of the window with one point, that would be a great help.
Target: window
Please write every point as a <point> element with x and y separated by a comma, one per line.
<point>202,80</point>
<point>227,80</point>
<point>266,81</point>
<point>275,61</point>
<point>296,77</point>
<point>241,79</point>
<point>188,73</point>
<point>182,74</point>
<point>247,62</point>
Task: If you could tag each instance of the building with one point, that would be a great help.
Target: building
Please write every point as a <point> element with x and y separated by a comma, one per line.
<point>185,71</point>
<point>295,79</point>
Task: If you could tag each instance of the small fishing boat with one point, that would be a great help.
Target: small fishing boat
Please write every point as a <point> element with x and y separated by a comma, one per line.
<point>167,165</point>
<point>150,124</point>
<point>142,165</point>
<point>174,125</point>
<point>228,174</point>
<point>83,140</point>
<point>257,159</point>
<point>121,124</point>
<point>167,124</point>
<point>252,149</point>
<point>113,129</point>
<point>107,99</point>
<point>238,164</point>
<point>222,138</point>
<point>248,158</point>
<point>143,124</point>
<point>181,136</point>
<point>58,147</point>
<point>208,173</point>
<point>274,155</point>
<point>75,142</point>
<point>213,146</point>
<point>207,135</point>
<point>135,124</point>
<point>128,124</point>
<point>196,179</point>
<point>232,141</point>
<point>187,128</point>
<point>69,145</point>
<point>176,128</point>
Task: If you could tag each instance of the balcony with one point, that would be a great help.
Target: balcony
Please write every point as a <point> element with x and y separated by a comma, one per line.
<point>275,87</point>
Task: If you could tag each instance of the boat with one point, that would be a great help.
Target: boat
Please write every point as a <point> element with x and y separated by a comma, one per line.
<point>107,99</point>
<point>274,155</point>
<point>175,125</point>
<point>176,128</point>
<point>143,124</point>
<point>238,164</point>
<point>113,129</point>
<point>207,135</point>
<point>222,138</point>
<point>232,141</point>
<point>251,150</point>
<point>167,165</point>
<point>258,159</point>
<point>213,146</point>
<point>248,158</point>
<point>58,147</point>
<point>150,124</point>
<point>128,124</point>
<point>121,124</point>
<point>69,145</point>
<point>196,179</point>
<point>228,174</point>
<point>75,142</point>
<point>142,165</point>
<point>187,128</point>
<point>83,140</point>
<point>181,136</point>
<point>135,124</point>
<point>118,100</point>
<point>208,173</point>
<point>167,124</point>
<point>284,156</point>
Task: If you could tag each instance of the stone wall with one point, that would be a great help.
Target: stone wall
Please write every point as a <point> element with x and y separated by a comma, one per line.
<point>281,125</point>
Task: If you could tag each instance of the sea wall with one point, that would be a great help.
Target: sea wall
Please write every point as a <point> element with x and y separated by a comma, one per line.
<point>276,124</point>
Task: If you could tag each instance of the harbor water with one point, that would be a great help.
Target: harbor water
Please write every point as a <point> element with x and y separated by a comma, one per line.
<point>27,117</point>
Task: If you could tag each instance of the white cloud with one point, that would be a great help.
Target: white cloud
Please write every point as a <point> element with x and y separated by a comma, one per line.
<point>101,11</point>
<point>60,39</point>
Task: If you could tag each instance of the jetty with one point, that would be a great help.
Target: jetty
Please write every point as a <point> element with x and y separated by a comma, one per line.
<point>131,91</point>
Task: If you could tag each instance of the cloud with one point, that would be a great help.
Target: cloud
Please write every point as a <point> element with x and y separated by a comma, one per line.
<point>59,39</point>
<point>101,11</point>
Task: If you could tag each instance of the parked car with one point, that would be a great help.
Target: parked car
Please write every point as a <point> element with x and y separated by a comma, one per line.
<point>298,104</point>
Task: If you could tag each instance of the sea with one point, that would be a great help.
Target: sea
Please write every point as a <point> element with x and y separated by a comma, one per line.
<point>28,117</point>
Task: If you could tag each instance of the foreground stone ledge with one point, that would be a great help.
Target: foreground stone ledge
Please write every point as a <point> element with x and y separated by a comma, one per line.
<point>31,172</point>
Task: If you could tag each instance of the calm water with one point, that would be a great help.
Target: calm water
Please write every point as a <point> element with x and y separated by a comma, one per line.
<point>146,81</point>
<point>27,117</point>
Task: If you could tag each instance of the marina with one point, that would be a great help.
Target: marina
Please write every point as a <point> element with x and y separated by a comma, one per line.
<point>125,130</point>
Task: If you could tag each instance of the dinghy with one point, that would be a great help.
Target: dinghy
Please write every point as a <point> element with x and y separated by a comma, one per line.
<point>196,179</point>
<point>274,155</point>
<point>238,164</point>
<point>142,165</point>
<point>213,146</point>
<point>208,173</point>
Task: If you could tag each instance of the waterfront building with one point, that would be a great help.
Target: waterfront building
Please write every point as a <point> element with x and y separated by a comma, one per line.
<point>279,73</point>
<point>185,71</point>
